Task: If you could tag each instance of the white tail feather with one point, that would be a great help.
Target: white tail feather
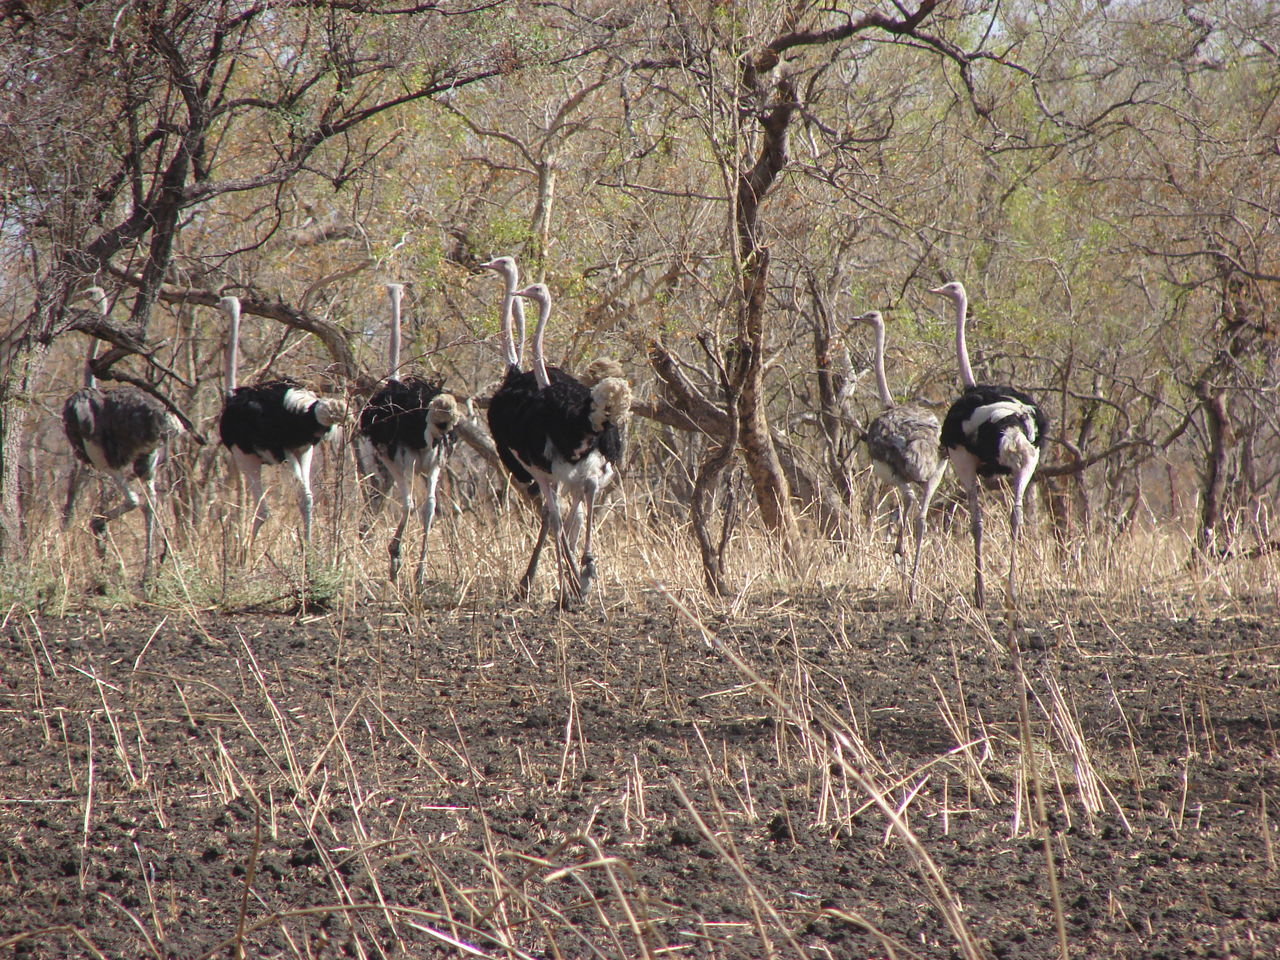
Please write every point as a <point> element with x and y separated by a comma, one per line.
<point>330,412</point>
<point>610,403</point>
<point>1017,452</point>
<point>443,413</point>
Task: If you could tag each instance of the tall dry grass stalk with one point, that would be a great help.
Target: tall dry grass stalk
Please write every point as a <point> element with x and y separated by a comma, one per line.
<point>479,548</point>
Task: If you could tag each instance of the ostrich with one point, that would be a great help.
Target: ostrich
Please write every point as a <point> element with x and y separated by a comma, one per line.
<point>518,389</point>
<point>409,424</point>
<point>990,431</point>
<point>550,430</point>
<point>279,421</point>
<point>117,430</point>
<point>582,427</point>
<point>904,446</point>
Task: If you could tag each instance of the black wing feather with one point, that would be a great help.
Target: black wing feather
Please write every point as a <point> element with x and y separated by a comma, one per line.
<point>984,443</point>
<point>128,424</point>
<point>395,417</point>
<point>254,419</point>
<point>530,424</point>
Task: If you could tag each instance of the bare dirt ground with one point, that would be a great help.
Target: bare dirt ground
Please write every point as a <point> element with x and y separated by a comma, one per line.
<point>492,781</point>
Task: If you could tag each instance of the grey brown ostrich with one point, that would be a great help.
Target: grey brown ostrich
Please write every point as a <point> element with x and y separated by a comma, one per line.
<point>119,431</point>
<point>903,442</point>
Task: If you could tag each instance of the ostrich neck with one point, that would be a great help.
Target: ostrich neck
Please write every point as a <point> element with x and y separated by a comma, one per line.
<point>962,350</point>
<point>882,382</point>
<point>509,306</point>
<point>393,359</point>
<point>90,380</point>
<point>104,308</point>
<point>517,315</point>
<point>539,359</point>
<point>233,348</point>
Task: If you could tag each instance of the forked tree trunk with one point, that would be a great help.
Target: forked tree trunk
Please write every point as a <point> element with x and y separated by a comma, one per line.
<point>773,494</point>
<point>709,473</point>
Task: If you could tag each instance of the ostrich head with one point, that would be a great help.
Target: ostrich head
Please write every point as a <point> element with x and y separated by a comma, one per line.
<point>953,291</point>
<point>602,368</point>
<point>512,310</point>
<point>872,317</point>
<point>504,267</point>
<point>538,292</point>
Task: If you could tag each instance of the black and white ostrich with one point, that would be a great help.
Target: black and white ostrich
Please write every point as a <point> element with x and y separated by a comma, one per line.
<point>278,421</point>
<point>409,425</point>
<point>990,431</point>
<point>583,427</point>
<point>903,442</point>
<point>553,431</point>
<point>117,431</point>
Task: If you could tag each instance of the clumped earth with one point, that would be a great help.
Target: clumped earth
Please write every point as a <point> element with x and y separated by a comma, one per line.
<point>606,783</point>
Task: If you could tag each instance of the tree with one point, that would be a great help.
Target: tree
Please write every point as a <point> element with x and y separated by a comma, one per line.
<point>179,110</point>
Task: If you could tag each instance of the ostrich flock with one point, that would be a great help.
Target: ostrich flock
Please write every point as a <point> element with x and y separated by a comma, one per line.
<point>553,433</point>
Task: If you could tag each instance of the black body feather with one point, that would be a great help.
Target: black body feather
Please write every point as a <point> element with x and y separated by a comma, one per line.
<point>395,417</point>
<point>531,425</point>
<point>982,438</point>
<point>256,420</point>
<point>124,423</point>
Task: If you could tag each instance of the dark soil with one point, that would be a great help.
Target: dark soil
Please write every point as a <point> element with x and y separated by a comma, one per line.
<point>490,773</point>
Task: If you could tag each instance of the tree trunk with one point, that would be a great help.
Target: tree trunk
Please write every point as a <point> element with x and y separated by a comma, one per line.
<point>709,473</point>
<point>22,372</point>
<point>772,491</point>
<point>26,370</point>
<point>1211,539</point>
<point>683,406</point>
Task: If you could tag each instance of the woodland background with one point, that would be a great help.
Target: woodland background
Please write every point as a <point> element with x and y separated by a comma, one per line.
<point>712,190</point>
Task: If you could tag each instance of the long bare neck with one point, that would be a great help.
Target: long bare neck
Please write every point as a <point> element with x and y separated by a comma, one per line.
<point>104,307</point>
<point>517,318</point>
<point>962,349</point>
<point>539,358</point>
<point>90,380</point>
<point>882,381</point>
<point>232,307</point>
<point>509,307</point>
<point>395,291</point>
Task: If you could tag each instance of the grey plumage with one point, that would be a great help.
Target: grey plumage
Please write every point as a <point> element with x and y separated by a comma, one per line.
<point>905,440</point>
<point>119,431</point>
<point>905,450</point>
<point>116,429</point>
